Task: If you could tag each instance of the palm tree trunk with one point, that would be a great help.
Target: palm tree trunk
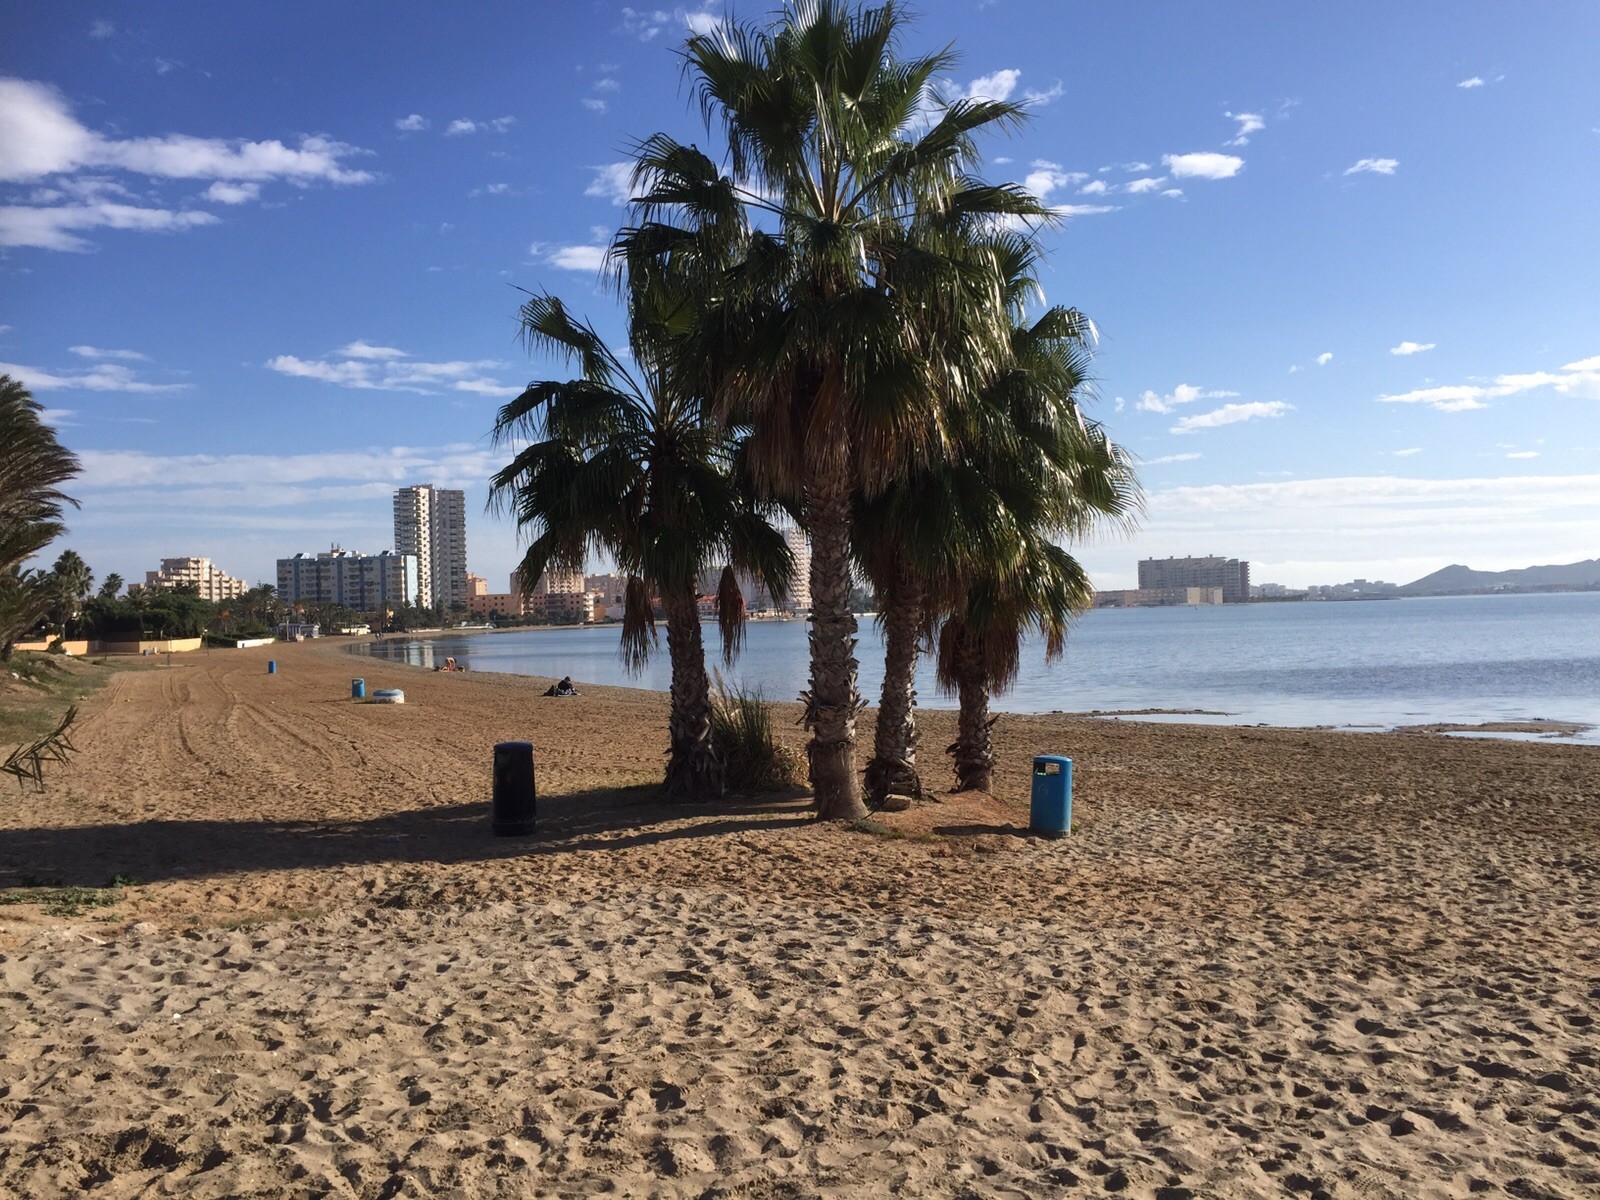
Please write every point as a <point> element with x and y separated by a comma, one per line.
<point>973,751</point>
<point>695,770</point>
<point>893,769</point>
<point>832,701</point>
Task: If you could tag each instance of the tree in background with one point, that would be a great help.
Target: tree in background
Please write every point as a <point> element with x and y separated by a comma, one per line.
<point>111,586</point>
<point>33,466</point>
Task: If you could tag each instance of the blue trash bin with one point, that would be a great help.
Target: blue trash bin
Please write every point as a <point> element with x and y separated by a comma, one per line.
<point>272,666</point>
<point>1051,812</point>
<point>358,689</point>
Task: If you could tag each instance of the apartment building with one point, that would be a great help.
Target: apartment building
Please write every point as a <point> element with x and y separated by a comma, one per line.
<point>210,581</point>
<point>362,582</point>
<point>1229,574</point>
<point>431,524</point>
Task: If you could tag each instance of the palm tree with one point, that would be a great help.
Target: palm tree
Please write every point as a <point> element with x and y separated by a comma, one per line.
<point>74,583</point>
<point>822,331</point>
<point>622,461</point>
<point>33,466</point>
<point>1053,475</point>
<point>110,586</point>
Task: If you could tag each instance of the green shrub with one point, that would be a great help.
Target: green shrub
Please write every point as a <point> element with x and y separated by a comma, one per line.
<point>742,728</point>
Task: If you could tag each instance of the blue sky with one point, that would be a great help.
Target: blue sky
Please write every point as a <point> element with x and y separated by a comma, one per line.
<point>259,261</point>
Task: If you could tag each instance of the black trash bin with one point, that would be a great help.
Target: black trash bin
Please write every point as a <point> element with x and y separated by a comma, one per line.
<point>515,797</point>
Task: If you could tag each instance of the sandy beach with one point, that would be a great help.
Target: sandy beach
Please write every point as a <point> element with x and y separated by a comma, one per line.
<point>1269,962</point>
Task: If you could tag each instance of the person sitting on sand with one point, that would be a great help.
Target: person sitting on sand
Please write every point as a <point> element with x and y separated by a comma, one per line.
<point>564,688</point>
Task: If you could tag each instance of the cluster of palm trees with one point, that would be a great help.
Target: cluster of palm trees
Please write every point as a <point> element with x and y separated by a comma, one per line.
<point>834,323</point>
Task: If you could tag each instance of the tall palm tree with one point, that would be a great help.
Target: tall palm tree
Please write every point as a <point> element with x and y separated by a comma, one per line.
<point>837,148</point>
<point>621,460</point>
<point>33,467</point>
<point>110,586</point>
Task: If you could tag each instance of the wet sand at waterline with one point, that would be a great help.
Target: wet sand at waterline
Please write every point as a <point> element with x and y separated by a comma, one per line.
<point>1269,961</point>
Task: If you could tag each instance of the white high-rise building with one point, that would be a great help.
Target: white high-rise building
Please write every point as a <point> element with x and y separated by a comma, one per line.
<point>800,585</point>
<point>212,582</point>
<point>431,523</point>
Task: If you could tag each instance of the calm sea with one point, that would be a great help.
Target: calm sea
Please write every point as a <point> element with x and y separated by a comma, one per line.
<point>1365,665</point>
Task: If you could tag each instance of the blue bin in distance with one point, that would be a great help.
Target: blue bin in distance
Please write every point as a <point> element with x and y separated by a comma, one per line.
<point>272,666</point>
<point>358,689</point>
<point>1051,812</point>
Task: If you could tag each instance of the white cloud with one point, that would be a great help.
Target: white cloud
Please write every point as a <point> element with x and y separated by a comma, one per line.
<point>702,22</point>
<point>1475,82</point>
<point>1375,166</point>
<point>360,349</point>
<point>39,138</point>
<point>485,387</point>
<point>1096,187</point>
<point>1083,210</point>
<point>105,377</point>
<point>1150,183</point>
<point>1248,123</point>
<point>1324,358</point>
<point>96,354</point>
<point>1232,414</point>
<point>606,85</point>
<point>367,367</point>
<point>1174,193</point>
<point>1580,380</point>
<point>1408,452</point>
<point>460,126</point>
<point>578,258</point>
<point>1184,393</point>
<point>101,30</point>
<point>223,192</point>
<point>614,181</point>
<point>1523,454</point>
<point>1296,369</point>
<point>1039,99</point>
<point>647,23</point>
<point>593,104</point>
<point>1203,164</point>
<point>997,86</point>
<point>415,123</point>
<point>1411,347</point>
<point>56,228</point>
<point>1171,458</point>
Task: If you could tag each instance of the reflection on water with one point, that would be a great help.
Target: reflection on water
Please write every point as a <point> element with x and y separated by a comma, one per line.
<point>1374,664</point>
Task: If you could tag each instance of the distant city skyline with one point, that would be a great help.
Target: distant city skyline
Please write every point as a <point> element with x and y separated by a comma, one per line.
<point>1341,258</point>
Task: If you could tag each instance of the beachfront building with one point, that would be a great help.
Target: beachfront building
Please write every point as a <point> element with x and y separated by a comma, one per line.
<point>363,582</point>
<point>799,543</point>
<point>1229,574</point>
<point>210,581</point>
<point>431,524</point>
<point>1157,597</point>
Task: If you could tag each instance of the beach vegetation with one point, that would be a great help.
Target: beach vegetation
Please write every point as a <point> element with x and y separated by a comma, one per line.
<point>745,732</point>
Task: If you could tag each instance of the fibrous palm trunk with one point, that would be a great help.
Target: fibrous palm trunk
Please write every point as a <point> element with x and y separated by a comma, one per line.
<point>695,770</point>
<point>973,751</point>
<point>832,701</point>
<point>893,769</point>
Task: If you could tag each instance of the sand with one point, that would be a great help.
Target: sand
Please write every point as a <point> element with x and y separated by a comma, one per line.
<point>1267,963</point>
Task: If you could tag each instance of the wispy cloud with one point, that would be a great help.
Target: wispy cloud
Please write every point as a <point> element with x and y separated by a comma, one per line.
<point>1580,380</point>
<point>1184,393</point>
<point>101,30</point>
<point>1172,458</point>
<point>1408,452</point>
<point>1232,414</point>
<point>1204,164</point>
<point>1475,82</point>
<point>1374,166</point>
<point>368,367</point>
<point>613,182</point>
<point>43,139</point>
<point>415,123</point>
<point>647,24</point>
<point>103,377</point>
<point>1405,348</point>
<point>223,192</point>
<point>594,104</point>
<point>1523,454</point>
<point>462,126</point>
<point>1248,123</point>
<point>96,354</point>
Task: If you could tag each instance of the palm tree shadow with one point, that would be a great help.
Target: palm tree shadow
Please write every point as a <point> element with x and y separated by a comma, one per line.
<point>607,819</point>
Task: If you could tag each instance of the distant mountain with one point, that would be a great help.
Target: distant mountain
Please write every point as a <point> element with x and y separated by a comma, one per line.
<point>1457,578</point>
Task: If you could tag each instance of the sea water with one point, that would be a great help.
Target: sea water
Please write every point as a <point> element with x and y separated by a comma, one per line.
<point>1372,664</point>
